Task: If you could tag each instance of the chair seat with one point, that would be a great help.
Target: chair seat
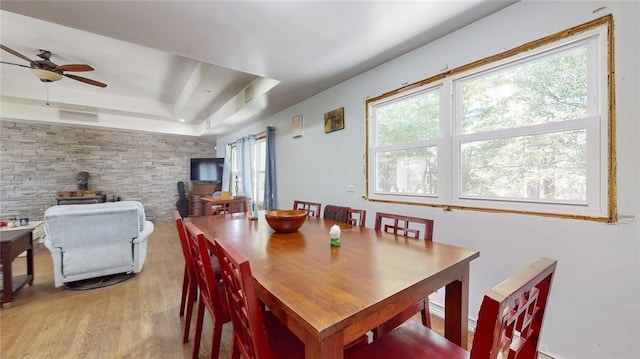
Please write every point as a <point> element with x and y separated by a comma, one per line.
<point>357,344</point>
<point>281,340</point>
<point>411,340</point>
<point>422,307</point>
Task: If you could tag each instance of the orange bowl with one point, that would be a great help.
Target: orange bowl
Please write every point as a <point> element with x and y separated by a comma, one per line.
<point>286,220</point>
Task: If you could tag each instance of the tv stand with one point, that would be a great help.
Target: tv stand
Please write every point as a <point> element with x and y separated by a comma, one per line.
<point>198,207</point>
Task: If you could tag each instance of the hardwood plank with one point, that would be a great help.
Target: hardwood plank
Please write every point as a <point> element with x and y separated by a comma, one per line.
<point>137,318</point>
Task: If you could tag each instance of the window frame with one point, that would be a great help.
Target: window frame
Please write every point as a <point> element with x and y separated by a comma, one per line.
<point>257,186</point>
<point>599,125</point>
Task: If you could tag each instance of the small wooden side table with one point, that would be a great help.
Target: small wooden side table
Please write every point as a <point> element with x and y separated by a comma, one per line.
<point>12,244</point>
<point>38,230</point>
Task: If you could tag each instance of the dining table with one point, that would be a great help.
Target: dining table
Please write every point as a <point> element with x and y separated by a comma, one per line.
<point>329,296</point>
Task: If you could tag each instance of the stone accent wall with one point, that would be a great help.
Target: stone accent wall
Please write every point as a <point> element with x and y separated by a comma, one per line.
<point>38,160</point>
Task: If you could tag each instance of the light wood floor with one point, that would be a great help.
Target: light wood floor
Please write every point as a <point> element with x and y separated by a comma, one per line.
<point>137,318</point>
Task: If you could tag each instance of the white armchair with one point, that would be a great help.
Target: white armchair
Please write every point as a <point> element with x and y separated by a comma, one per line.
<point>95,240</point>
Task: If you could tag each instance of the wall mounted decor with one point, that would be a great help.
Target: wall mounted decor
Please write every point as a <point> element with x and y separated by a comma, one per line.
<point>296,126</point>
<point>334,120</point>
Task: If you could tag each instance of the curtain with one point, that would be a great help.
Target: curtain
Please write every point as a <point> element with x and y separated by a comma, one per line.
<point>270,195</point>
<point>226,169</point>
<point>245,149</point>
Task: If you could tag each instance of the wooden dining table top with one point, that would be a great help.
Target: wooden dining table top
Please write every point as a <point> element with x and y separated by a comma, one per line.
<point>328,295</point>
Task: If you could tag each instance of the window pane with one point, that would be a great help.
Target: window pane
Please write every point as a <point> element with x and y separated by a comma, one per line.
<point>234,183</point>
<point>407,171</point>
<point>409,119</point>
<point>261,155</point>
<point>548,90</point>
<point>548,166</point>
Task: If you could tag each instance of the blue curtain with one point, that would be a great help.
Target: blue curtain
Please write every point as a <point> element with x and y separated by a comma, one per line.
<point>270,195</point>
<point>245,147</point>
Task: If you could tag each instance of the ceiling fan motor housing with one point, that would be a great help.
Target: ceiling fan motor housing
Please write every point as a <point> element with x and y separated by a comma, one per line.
<point>45,63</point>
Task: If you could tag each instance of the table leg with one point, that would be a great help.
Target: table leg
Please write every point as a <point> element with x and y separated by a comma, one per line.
<point>456,310</point>
<point>7,274</point>
<point>30,259</point>
<point>330,347</point>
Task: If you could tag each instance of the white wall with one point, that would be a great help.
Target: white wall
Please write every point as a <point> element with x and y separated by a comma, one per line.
<point>594,308</point>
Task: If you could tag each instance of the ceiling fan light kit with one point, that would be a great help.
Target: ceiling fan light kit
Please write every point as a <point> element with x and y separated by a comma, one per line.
<point>48,71</point>
<point>46,75</point>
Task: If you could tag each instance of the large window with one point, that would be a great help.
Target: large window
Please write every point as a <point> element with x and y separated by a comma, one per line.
<point>529,132</point>
<point>258,179</point>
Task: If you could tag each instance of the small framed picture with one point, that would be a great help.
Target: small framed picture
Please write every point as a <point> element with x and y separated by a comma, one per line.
<point>334,120</point>
<point>296,126</point>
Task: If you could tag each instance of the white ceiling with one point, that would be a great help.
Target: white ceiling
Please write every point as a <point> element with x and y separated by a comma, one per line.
<point>159,57</point>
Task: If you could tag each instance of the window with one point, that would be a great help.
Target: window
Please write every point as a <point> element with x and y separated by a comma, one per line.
<point>261,156</point>
<point>523,133</point>
<point>259,165</point>
<point>234,181</point>
<point>406,134</point>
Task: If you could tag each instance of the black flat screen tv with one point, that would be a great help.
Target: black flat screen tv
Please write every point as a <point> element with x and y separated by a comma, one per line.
<point>206,169</point>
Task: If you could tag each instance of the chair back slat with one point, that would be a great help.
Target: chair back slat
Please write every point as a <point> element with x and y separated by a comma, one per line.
<point>249,334</point>
<point>312,208</point>
<point>356,217</point>
<point>511,314</point>
<point>405,225</point>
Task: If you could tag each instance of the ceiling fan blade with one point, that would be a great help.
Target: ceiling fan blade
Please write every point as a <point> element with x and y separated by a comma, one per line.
<point>75,67</point>
<point>16,53</point>
<point>11,63</point>
<point>86,80</point>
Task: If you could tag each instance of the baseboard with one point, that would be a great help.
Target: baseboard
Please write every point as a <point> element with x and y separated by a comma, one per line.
<point>542,355</point>
<point>438,310</point>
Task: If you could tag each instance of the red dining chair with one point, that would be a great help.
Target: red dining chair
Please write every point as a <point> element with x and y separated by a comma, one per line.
<point>212,295</point>
<point>356,217</point>
<point>405,225</point>
<point>312,208</point>
<point>409,227</point>
<point>336,213</point>
<point>256,333</point>
<point>509,324</point>
<point>189,281</point>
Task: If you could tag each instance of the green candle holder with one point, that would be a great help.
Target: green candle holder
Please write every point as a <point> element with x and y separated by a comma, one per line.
<point>335,242</point>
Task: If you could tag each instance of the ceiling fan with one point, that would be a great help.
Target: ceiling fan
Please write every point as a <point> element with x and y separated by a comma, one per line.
<point>47,71</point>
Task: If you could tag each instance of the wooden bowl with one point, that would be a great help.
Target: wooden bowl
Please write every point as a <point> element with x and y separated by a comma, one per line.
<point>286,220</point>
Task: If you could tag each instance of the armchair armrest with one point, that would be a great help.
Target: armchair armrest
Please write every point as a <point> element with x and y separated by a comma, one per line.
<point>146,231</point>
